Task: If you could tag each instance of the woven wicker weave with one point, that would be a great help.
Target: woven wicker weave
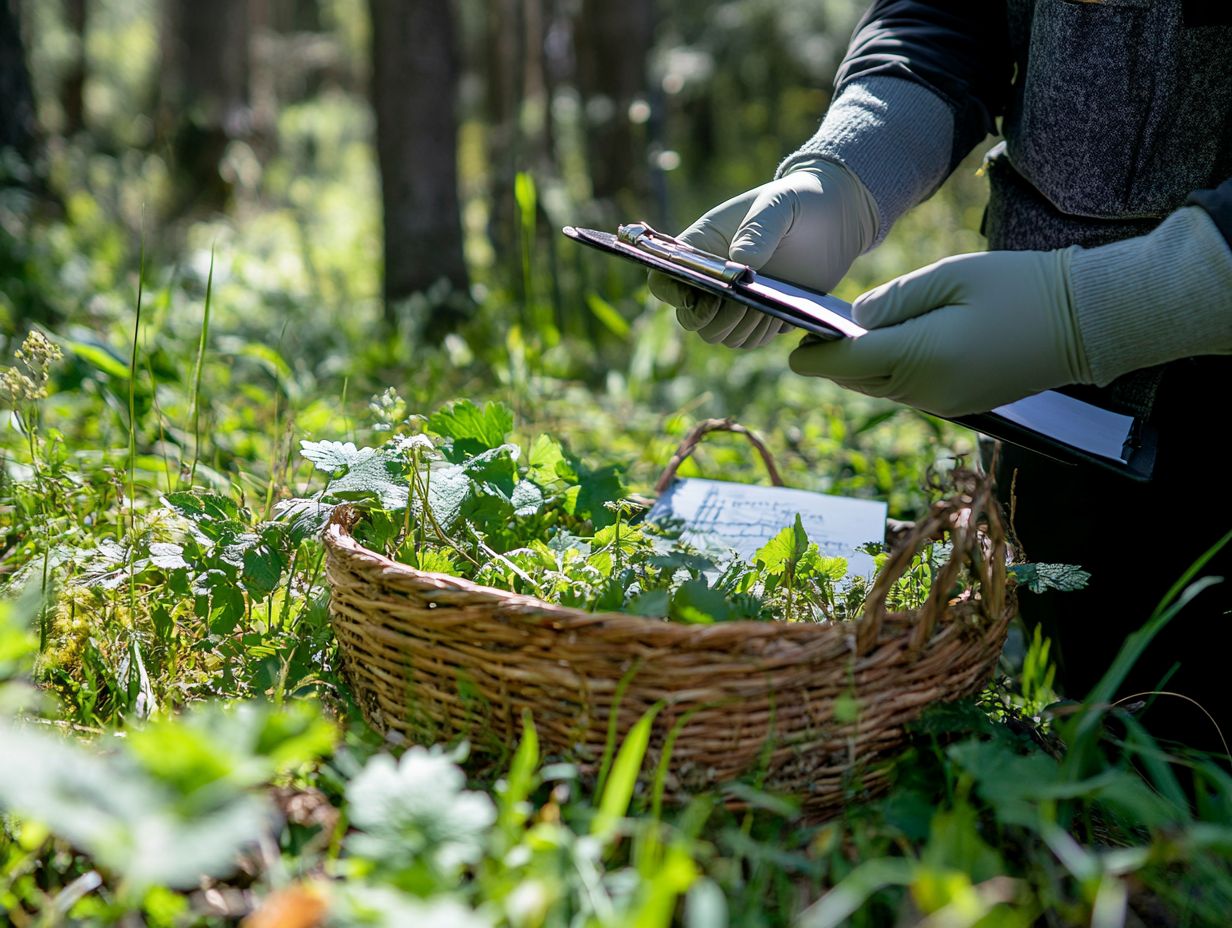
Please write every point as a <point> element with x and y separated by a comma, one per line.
<point>435,657</point>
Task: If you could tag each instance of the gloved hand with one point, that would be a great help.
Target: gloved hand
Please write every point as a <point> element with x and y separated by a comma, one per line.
<point>964,335</point>
<point>806,227</point>
<point>971,333</point>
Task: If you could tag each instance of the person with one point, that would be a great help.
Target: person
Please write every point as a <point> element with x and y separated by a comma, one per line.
<point>1108,274</point>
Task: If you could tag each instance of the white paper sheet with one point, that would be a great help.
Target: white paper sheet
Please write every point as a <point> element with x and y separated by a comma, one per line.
<point>745,517</point>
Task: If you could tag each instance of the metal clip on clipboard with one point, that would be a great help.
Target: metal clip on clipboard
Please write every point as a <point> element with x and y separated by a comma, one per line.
<point>641,235</point>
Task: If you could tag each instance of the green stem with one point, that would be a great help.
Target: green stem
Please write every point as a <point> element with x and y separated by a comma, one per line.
<point>197,369</point>
<point>132,441</point>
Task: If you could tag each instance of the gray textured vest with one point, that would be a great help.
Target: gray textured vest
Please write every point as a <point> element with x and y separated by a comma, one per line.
<point>1121,108</point>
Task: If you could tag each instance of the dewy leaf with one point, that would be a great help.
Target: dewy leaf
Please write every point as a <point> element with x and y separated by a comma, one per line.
<point>1038,578</point>
<point>470,429</point>
<point>334,457</point>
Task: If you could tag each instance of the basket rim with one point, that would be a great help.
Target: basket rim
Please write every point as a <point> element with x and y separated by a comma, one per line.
<point>340,542</point>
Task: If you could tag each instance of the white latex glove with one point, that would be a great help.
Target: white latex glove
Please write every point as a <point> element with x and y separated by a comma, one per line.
<point>806,227</point>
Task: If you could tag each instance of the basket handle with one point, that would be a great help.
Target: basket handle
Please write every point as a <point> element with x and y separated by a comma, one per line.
<point>694,438</point>
<point>984,552</point>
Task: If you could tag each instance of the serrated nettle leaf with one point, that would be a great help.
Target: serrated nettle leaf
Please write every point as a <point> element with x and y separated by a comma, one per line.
<point>263,566</point>
<point>544,460</point>
<point>469,429</point>
<point>527,499</point>
<point>1039,578</point>
<point>448,489</point>
<point>167,556</point>
<point>203,506</point>
<point>304,518</point>
<point>233,548</point>
<point>594,489</point>
<point>334,457</point>
<point>380,478</point>
<point>782,552</point>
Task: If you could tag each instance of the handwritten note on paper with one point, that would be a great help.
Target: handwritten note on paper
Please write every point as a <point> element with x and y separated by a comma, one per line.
<point>736,515</point>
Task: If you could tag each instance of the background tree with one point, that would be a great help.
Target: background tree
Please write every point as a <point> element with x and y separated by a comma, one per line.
<point>17,114</point>
<point>613,46</point>
<point>205,99</point>
<point>72,89</point>
<point>414,86</point>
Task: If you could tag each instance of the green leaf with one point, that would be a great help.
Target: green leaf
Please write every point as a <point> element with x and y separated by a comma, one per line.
<point>304,518</point>
<point>263,567</point>
<point>607,314</point>
<point>415,821</point>
<point>618,791</point>
<point>653,603</point>
<point>167,556</point>
<point>697,604</point>
<point>781,553</point>
<point>1039,578</point>
<point>544,460</point>
<point>98,357</point>
<point>201,507</point>
<point>527,499</point>
<point>594,489</point>
<point>471,430</point>
<point>520,781</point>
<point>380,478</point>
<point>334,457</point>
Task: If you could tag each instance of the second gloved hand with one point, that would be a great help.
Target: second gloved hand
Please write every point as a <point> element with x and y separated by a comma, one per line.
<point>964,335</point>
<point>806,227</point>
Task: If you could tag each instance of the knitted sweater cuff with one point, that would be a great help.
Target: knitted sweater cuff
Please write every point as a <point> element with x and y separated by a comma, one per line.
<point>1156,298</point>
<point>895,135</point>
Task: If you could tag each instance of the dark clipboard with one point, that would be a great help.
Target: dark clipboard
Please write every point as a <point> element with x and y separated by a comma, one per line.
<point>1051,423</point>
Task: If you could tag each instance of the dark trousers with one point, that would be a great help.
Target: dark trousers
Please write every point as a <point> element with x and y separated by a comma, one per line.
<point>1137,540</point>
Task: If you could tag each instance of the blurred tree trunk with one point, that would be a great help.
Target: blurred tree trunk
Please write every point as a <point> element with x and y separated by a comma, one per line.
<point>72,92</point>
<point>414,86</point>
<point>613,43</point>
<point>18,128</point>
<point>205,93</point>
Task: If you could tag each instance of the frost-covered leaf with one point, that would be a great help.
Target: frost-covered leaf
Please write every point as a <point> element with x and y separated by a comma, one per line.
<point>1038,578</point>
<point>334,457</point>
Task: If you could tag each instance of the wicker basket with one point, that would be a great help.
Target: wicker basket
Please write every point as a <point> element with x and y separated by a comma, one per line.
<point>435,657</point>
